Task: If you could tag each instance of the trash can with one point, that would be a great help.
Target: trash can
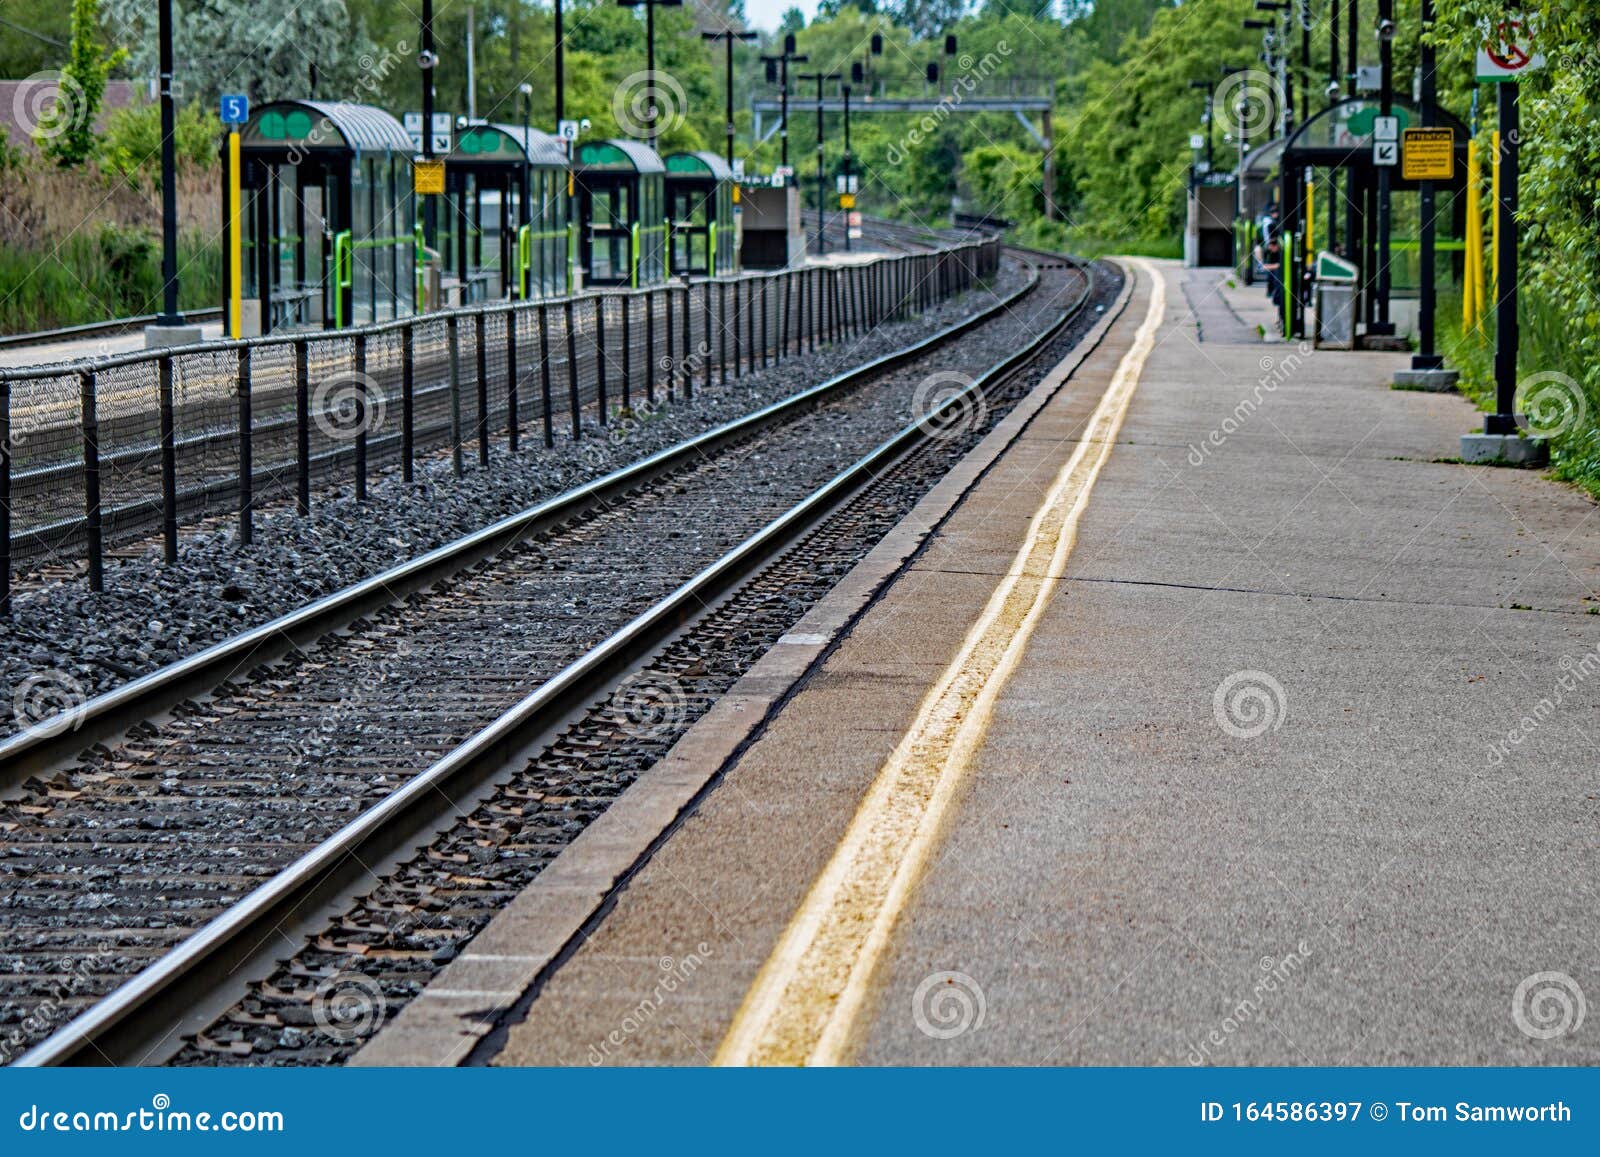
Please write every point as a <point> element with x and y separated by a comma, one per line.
<point>1336,315</point>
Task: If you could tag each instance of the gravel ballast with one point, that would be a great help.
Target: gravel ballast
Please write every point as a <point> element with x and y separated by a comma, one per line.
<point>66,644</point>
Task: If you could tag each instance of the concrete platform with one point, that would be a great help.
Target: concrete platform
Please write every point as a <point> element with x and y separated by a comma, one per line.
<point>1298,767</point>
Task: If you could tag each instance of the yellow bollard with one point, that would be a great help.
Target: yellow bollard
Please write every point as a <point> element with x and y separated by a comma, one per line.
<point>1494,214</point>
<point>235,243</point>
<point>1311,219</point>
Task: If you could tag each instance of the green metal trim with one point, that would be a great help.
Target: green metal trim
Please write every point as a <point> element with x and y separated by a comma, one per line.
<point>344,274</point>
<point>524,257</point>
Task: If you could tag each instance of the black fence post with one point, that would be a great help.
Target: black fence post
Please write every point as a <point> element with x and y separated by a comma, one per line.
<point>688,345</point>
<point>5,498</point>
<point>453,331</point>
<point>766,323</point>
<point>169,461</point>
<point>728,325</point>
<point>650,345</point>
<point>711,335</point>
<point>601,369</point>
<point>247,526</point>
<point>627,352</point>
<point>94,538</point>
<point>574,402</point>
<point>544,374</point>
<point>738,329</point>
<point>512,373</point>
<point>480,335</point>
<point>785,299</point>
<point>656,364</point>
<point>363,409</point>
<point>302,426</point>
<point>408,403</point>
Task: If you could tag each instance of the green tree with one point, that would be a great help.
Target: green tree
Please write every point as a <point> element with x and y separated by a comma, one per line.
<point>264,48</point>
<point>68,134</point>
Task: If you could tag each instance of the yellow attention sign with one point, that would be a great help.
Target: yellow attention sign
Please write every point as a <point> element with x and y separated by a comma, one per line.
<point>427,176</point>
<point>847,200</point>
<point>1427,155</point>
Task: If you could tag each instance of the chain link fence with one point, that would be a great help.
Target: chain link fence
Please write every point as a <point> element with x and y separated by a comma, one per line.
<point>109,450</point>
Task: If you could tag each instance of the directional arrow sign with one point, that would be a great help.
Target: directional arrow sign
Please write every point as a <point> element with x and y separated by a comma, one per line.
<point>1386,153</point>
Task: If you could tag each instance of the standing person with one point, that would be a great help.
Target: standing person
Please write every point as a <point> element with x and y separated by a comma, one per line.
<point>1271,258</point>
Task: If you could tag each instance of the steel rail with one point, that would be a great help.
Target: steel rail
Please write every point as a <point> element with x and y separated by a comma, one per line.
<point>119,1027</point>
<point>52,741</point>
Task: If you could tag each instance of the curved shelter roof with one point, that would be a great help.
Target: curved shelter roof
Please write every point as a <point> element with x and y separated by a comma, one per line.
<point>318,124</point>
<point>618,155</point>
<point>700,163</point>
<point>1343,132</point>
<point>508,143</point>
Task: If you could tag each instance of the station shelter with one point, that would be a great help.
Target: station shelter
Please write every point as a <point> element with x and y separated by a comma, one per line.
<point>328,217</point>
<point>503,228</point>
<point>1329,200</point>
<point>621,212</point>
<point>702,194</point>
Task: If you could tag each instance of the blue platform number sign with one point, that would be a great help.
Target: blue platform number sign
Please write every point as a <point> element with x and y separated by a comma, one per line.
<point>235,108</point>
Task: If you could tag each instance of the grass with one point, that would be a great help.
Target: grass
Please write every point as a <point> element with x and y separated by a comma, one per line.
<point>1548,346</point>
<point>81,245</point>
<point>111,271</point>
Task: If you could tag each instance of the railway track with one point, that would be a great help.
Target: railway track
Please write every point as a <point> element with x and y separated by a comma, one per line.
<point>164,872</point>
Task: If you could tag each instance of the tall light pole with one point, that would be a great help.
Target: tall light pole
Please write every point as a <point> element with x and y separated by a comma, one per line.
<point>169,174</point>
<point>427,61</point>
<point>1426,358</point>
<point>778,69</point>
<point>1382,326</point>
<point>727,37</point>
<point>845,89</point>
<point>822,192</point>
<point>650,7</point>
<point>561,68</point>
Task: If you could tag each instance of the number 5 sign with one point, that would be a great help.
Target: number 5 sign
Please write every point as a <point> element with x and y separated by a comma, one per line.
<point>1508,50</point>
<point>234,110</point>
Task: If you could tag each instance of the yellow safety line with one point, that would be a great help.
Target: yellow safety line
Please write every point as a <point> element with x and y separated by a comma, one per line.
<point>803,1005</point>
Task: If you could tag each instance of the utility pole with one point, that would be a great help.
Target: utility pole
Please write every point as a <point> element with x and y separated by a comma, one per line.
<point>650,7</point>
<point>727,37</point>
<point>1382,326</point>
<point>1352,190</point>
<point>472,63</point>
<point>561,68</point>
<point>427,61</point>
<point>781,62</point>
<point>845,88</point>
<point>169,174</point>
<point>822,192</point>
<point>1426,358</point>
